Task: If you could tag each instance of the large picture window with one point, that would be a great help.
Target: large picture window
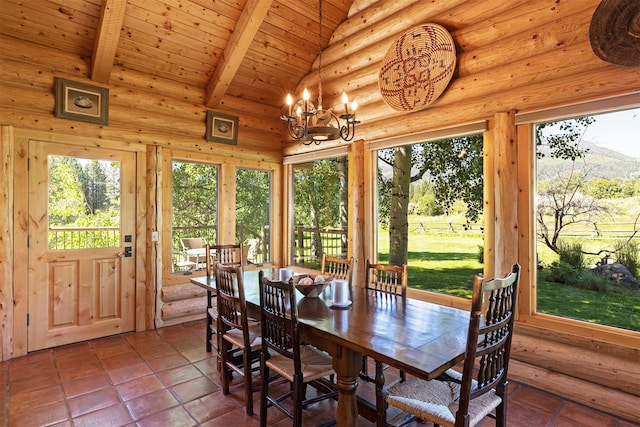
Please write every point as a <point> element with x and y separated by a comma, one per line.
<point>320,223</point>
<point>253,214</point>
<point>588,218</point>
<point>194,213</point>
<point>430,212</point>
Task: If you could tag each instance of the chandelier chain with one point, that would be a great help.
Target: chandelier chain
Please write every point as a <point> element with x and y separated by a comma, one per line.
<point>311,124</point>
<point>320,54</point>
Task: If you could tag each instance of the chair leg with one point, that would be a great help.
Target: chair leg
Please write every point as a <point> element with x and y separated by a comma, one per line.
<point>501,410</point>
<point>365,368</point>
<point>298,398</point>
<point>264,391</point>
<point>381,405</point>
<point>248,382</point>
<point>225,372</point>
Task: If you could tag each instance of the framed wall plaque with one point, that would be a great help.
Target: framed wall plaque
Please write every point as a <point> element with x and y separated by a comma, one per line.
<point>81,102</point>
<point>222,128</point>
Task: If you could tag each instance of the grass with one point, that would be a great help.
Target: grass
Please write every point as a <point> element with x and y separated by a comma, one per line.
<point>616,308</point>
<point>446,263</point>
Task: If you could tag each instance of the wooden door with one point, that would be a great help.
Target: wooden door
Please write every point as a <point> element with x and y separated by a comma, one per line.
<point>81,243</point>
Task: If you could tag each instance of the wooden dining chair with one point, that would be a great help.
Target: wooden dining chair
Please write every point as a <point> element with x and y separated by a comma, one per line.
<point>386,281</point>
<point>457,399</point>
<point>228,255</point>
<point>283,353</point>
<point>239,338</point>
<point>338,268</point>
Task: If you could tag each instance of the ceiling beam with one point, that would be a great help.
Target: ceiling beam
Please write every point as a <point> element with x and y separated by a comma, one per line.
<point>239,42</point>
<point>107,36</point>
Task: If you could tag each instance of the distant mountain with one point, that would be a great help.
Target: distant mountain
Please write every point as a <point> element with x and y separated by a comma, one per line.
<point>599,162</point>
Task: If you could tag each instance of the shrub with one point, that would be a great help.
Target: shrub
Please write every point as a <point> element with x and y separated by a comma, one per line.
<point>627,255</point>
<point>571,253</point>
<point>591,281</point>
<point>563,272</point>
<point>480,254</point>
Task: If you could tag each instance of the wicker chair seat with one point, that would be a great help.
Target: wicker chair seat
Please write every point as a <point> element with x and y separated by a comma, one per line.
<point>315,364</point>
<point>234,336</point>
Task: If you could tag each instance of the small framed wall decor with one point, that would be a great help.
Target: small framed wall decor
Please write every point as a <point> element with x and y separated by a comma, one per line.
<point>222,128</point>
<point>81,102</point>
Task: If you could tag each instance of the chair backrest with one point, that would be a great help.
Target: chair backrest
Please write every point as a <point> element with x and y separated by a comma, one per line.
<point>489,337</point>
<point>232,306</point>
<point>227,254</point>
<point>279,320</point>
<point>193,242</point>
<point>386,279</point>
<point>338,268</point>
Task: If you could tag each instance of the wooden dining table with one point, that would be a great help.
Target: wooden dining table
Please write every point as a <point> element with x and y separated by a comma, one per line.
<point>419,337</point>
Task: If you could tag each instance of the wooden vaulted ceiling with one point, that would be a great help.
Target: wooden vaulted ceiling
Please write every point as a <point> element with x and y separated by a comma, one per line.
<point>256,50</point>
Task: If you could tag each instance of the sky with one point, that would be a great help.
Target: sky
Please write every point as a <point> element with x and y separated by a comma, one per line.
<point>619,131</point>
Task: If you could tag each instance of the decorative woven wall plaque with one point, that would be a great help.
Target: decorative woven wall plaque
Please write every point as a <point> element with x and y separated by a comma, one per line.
<point>417,68</point>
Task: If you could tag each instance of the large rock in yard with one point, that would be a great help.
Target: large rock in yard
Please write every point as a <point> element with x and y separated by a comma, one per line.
<point>617,274</point>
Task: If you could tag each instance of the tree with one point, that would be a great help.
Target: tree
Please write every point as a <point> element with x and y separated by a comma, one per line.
<point>562,203</point>
<point>66,199</point>
<point>94,187</point>
<point>453,167</point>
<point>319,200</point>
<point>195,197</point>
<point>252,202</point>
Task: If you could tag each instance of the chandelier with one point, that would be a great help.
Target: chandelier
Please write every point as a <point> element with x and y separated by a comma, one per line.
<point>309,123</point>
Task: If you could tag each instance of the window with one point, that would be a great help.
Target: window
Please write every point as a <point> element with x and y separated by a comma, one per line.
<point>587,210</point>
<point>253,214</point>
<point>320,224</point>
<point>194,213</point>
<point>84,203</point>
<point>430,212</point>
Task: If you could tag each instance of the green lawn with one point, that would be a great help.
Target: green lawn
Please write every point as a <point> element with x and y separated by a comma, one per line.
<point>446,263</point>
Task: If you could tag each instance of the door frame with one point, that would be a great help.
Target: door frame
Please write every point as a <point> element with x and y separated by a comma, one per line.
<point>144,294</point>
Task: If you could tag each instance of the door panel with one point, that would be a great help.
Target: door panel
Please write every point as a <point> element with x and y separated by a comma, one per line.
<point>81,266</point>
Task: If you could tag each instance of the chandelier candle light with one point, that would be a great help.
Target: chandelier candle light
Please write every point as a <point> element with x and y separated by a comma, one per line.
<point>314,125</point>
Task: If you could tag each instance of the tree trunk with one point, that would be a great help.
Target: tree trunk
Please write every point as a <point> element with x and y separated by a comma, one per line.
<point>399,224</point>
<point>344,201</point>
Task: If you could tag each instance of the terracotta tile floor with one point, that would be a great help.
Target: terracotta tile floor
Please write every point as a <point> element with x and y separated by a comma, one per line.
<point>166,378</point>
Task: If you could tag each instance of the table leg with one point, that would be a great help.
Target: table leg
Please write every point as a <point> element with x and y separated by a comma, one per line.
<point>347,369</point>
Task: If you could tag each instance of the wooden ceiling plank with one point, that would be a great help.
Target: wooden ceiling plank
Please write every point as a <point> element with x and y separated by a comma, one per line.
<point>177,20</point>
<point>107,36</point>
<point>241,38</point>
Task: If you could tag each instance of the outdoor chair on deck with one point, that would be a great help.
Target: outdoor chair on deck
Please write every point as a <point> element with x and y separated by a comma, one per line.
<point>283,354</point>
<point>389,282</point>
<point>457,399</point>
<point>194,249</point>
<point>239,337</point>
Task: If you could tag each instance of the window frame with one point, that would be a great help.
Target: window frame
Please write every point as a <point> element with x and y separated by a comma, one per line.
<point>271,202</point>
<point>372,193</point>
<point>528,316</point>
<point>287,201</point>
<point>226,230</point>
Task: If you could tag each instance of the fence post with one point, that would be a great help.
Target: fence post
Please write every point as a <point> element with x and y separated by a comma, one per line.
<point>300,244</point>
